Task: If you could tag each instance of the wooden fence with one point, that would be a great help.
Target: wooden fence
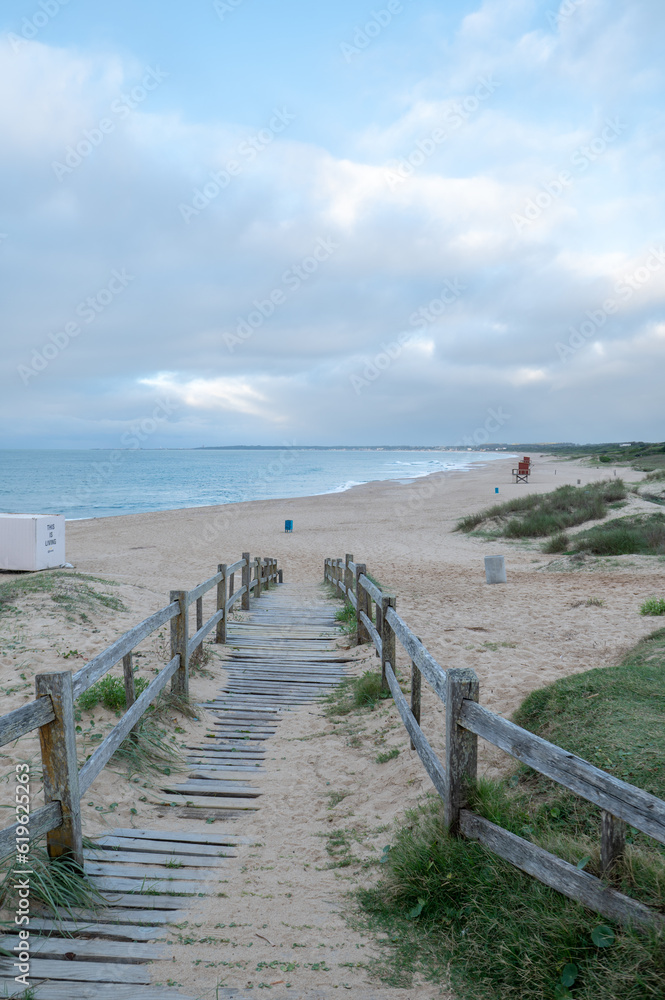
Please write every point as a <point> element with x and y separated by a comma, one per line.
<point>53,710</point>
<point>466,720</point>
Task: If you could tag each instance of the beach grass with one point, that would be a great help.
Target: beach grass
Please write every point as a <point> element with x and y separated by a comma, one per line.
<point>451,908</point>
<point>73,592</point>
<point>355,694</point>
<point>539,515</point>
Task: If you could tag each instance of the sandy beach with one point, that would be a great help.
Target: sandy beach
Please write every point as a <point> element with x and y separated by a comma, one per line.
<point>517,637</point>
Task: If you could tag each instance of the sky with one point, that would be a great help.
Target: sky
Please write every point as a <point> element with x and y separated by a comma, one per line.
<point>241,222</point>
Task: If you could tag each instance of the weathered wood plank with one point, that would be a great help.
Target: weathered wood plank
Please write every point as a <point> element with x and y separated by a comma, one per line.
<point>635,806</point>
<point>51,946</point>
<point>42,820</point>
<point>105,991</point>
<point>81,972</point>
<point>612,841</point>
<point>97,667</point>
<point>109,883</point>
<point>185,837</point>
<point>434,674</point>
<point>100,758</point>
<point>166,848</point>
<point>461,746</point>
<point>198,801</point>
<point>558,874</point>
<point>150,858</point>
<point>203,588</point>
<point>25,719</point>
<point>141,873</point>
<point>59,766</point>
<point>431,762</point>
<point>116,932</point>
<point>199,636</point>
<point>375,593</point>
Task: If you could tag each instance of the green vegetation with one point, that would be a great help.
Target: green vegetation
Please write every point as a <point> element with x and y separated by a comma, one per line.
<point>111,692</point>
<point>640,534</point>
<point>383,758</point>
<point>441,899</point>
<point>147,750</point>
<point>58,885</point>
<point>355,693</point>
<point>71,591</point>
<point>643,455</point>
<point>538,515</point>
<point>346,617</point>
<point>653,606</point>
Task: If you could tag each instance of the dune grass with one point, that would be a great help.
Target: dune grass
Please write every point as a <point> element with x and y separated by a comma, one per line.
<point>640,534</point>
<point>451,908</point>
<point>355,693</point>
<point>539,515</point>
<point>73,592</point>
<point>57,885</point>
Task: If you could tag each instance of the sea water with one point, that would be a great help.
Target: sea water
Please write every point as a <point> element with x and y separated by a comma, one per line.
<point>99,483</point>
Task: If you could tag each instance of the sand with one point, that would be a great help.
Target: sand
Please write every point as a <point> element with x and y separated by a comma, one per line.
<point>517,637</point>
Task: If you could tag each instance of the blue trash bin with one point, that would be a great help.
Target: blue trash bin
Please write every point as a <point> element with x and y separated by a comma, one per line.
<point>288,526</point>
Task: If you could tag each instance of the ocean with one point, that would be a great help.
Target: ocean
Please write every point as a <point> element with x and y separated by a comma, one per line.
<point>100,483</point>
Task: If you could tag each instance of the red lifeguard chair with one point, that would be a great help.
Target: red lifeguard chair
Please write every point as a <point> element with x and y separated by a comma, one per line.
<point>521,473</point>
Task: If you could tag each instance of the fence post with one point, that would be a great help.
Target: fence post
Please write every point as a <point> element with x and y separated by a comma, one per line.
<point>199,613</point>
<point>257,576</point>
<point>280,576</point>
<point>220,635</point>
<point>348,575</point>
<point>60,767</point>
<point>613,841</point>
<point>416,685</point>
<point>179,639</point>
<point>130,687</point>
<point>387,639</point>
<point>232,584</point>
<point>461,745</point>
<point>246,580</point>
<point>362,596</point>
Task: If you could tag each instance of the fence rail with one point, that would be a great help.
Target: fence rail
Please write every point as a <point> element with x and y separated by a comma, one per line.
<point>52,713</point>
<point>466,720</point>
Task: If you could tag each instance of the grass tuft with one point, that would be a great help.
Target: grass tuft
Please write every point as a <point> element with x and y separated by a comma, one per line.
<point>346,617</point>
<point>642,534</point>
<point>653,606</point>
<point>540,515</point>
<point>149,751</point>
<point>57,884</point>
<point>355,694</point>
<point>110,691</point>
<point>71,591</point>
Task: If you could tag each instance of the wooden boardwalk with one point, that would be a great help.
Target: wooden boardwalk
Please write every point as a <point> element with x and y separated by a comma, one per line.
<point>279,656</point>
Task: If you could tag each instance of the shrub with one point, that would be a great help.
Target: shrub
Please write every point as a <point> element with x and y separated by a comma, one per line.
<point>653,606</point>
<point>557,543</point>
<point>111,692</point>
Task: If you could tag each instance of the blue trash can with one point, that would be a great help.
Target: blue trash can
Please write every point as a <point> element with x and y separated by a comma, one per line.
<point>288,526</point>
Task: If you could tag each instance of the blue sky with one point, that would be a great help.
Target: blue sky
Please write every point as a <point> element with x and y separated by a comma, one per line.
<point>247,222</point>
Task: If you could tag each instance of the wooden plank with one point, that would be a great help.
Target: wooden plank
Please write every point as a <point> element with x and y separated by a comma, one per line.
<point>203,588</point>
<point>371,631</point>
<point>150,858</point>
<point>166,847</point>
<point>199,636</point>
<point>371,588</point>
<point>461,746</point>
<point>558,874</point>
<point>97,667</point>
<point>434,674</point>
<point>635,806</point>
<point>60,767</point>
<point>118,932</point>
<point>199,801</point>
<point>147,875</point>
<point>82,972</point>
<point>430,761</point>
<point>100,758</point>
<point>109,883</point>
<point>42,820</point>
<point>25,719</point>
<point>136,909</point>
<point>104,991</point>
<point>213,787</point>
<point>51,946</point>
<point>129,900</point>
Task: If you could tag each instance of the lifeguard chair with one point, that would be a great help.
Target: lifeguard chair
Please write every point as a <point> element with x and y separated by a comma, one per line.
<point>521,473</point>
